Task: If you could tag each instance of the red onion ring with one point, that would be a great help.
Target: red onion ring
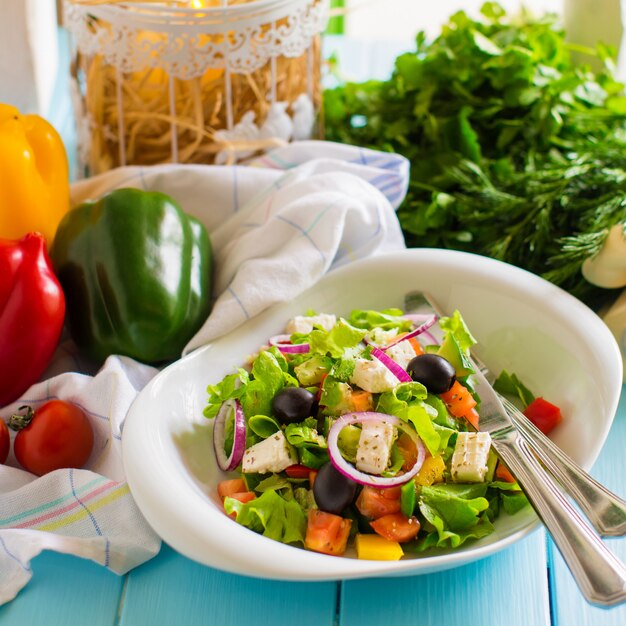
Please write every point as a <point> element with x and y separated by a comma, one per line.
<point>219,435</point>
<point>283,343</point>
<point>348,470</point>
<point>391,365</point>
<point>429,320</point>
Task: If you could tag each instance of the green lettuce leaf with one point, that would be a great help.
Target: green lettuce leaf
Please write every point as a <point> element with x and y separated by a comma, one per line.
<point>406,401</point>
<point>275,482</point>
<point>512,497</point>
<point>385,319</point>
<point>232,386</point>
<point>441,538</point>
<point>335,342</point>
<point>267,379</point>
<point>510,385</point>
<point>310,445</point>
<point>305,433</point>
<point>271,515</point>
<point>457,327</point>
<point>454,511</point>
<point>443,417</point>
<point>343,369</point>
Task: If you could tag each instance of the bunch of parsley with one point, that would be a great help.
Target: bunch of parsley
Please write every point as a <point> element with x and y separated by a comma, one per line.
<point>516,153</point>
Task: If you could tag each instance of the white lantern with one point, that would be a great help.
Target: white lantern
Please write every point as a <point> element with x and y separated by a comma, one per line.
<point>198,81</point>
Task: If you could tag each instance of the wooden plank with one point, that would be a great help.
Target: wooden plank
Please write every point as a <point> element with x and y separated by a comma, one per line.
<point>569,607</point>
<point>509,588</point>
<point>65,591</point>
<point>171,589</point>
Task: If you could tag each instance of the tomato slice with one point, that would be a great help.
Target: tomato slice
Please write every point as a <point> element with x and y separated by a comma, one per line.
<point>543,414</point>
<point>415,344</point>
<point>396,527</point>
<point>408,450</point>
<point>374,503</point>
<point>473,418</point>
<point>327,533</point>
<point>503,473</point>
<point>458,400</point>
<point>298,471</point>
<point>362,401</point>
<point>229,487</point>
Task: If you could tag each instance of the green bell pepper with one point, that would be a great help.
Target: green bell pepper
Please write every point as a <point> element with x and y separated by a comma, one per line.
<point>136,272</point>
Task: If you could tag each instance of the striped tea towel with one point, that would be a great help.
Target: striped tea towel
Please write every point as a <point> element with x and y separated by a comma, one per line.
<point>277,226</point>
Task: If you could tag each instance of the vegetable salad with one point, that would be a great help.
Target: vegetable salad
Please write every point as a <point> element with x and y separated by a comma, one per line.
<point>360,432</point>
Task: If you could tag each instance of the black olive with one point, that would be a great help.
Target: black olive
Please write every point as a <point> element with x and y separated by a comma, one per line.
<point>433,371</point>
<point>332,490</point>
<point>294,404</point>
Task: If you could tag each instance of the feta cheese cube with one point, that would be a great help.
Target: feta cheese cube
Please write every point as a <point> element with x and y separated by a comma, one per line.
<point>373,376</point>
<point>469,460</point>
<point>372,455</point>
<point>304,325</point>
<point>402,353</point>
<point>270,455</point>
<point>381,337</point>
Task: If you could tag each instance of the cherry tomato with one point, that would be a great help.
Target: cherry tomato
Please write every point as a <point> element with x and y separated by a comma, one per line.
<point>5,440</point>
<point>58,434</point>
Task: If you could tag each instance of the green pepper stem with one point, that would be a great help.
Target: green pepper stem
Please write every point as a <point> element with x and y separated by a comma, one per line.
<point>20,421</point>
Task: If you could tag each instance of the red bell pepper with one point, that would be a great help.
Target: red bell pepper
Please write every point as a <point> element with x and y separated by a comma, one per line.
<point>32,310</point>
<point>543,414</point>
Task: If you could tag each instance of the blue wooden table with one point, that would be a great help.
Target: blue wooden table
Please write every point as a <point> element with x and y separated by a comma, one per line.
<point>525,585</point>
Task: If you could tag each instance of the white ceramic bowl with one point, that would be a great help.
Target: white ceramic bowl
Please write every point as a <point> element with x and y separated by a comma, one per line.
<point>559,347</point>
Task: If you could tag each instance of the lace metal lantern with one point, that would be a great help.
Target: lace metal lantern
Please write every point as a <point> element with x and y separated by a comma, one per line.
<point>193,81</point>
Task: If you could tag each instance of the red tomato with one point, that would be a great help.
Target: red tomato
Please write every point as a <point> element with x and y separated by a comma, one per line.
<point>396,527</point>
<point>375,503</point>
<point>58,434</point>
<point>229,487</point>
<point>458,400</point>
<point>503,473</point>
<point>243,496</point>
<point>473,418</point>
<point>298,471</point>
<point>327,533</point>
<point>5,441</point>
<point>544,415</point>
<point>408,450</point>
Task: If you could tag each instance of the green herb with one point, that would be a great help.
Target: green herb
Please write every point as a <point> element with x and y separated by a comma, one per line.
<point>516,153</point>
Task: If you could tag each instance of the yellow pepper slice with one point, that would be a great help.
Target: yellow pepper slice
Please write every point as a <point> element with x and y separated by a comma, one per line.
<point>431,471</point>
<point>377,548</point>
<point>34,177</point>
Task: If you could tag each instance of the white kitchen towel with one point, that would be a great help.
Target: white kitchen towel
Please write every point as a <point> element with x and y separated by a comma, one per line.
<point>277,225</point>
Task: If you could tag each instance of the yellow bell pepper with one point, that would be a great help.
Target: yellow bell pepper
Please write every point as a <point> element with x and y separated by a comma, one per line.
<point>34,176</point>
<point>377,548</point>
<point>431,471</point>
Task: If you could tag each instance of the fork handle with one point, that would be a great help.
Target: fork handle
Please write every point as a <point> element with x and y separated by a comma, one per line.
<point>600,576</point>
<point>605,510</point>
